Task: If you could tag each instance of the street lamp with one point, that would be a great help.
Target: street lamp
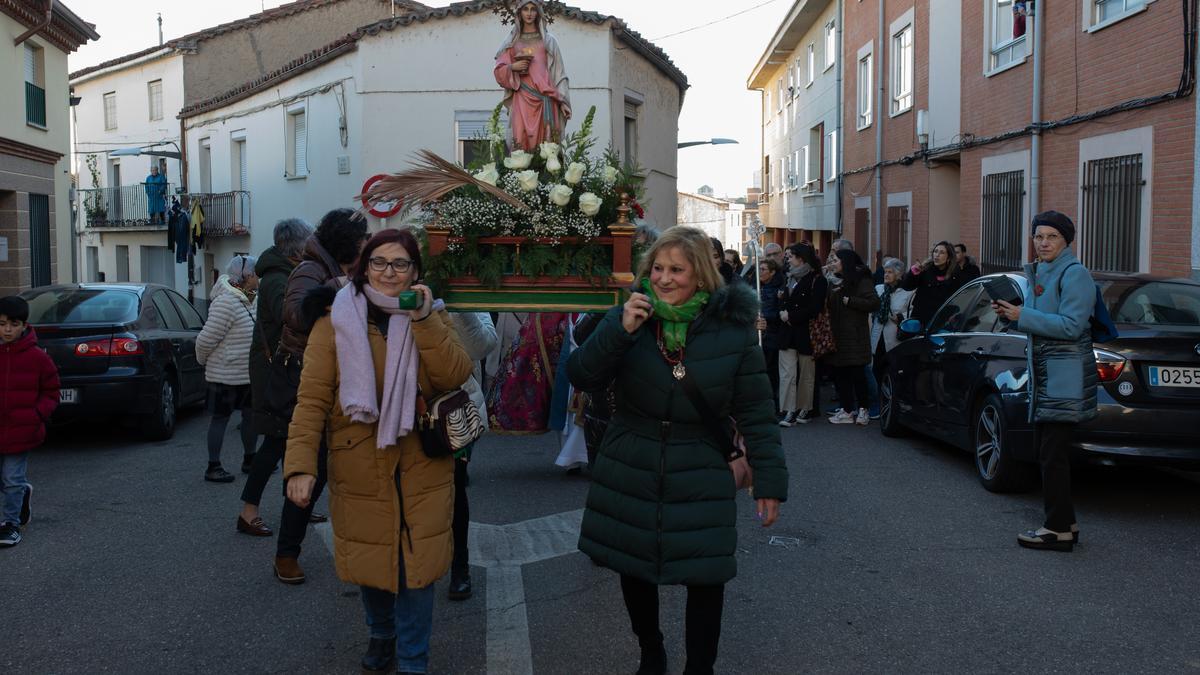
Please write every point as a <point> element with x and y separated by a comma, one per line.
<point>715,141</point>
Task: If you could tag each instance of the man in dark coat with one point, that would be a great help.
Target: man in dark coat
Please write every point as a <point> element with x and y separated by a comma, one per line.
<point>769,325</point>
<point>273,268</point>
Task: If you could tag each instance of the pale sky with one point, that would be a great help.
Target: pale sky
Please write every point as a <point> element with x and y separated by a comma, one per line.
<point>716,58</point>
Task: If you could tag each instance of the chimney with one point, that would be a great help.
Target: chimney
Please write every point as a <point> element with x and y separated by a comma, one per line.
<point>160,39</point>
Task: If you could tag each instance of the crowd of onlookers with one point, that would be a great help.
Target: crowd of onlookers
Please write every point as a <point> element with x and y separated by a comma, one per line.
<point>835,319</point>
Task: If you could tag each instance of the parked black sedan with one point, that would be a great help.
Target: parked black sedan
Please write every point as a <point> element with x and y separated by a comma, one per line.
<point>124,351</point>
<point>963,379</point>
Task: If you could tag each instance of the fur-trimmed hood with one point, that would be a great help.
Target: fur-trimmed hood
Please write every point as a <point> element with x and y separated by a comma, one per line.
<point>736,302</point>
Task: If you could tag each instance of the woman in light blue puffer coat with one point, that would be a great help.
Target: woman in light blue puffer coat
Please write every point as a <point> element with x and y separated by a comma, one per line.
<point>1062,393</point>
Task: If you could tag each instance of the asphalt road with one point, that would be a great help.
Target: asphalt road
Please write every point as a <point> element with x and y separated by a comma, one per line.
<point>889,558</point>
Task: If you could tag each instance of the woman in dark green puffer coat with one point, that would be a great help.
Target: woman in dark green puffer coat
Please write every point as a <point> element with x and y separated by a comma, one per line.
<point>661,506</point>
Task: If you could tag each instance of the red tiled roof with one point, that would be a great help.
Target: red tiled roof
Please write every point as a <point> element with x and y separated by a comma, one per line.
<point>191,40</point>
<point>648,50</point>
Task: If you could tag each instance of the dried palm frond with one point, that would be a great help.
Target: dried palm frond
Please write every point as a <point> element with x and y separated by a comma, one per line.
<point>430,179</point>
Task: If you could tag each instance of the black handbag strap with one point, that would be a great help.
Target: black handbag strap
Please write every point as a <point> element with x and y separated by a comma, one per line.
<point>711,420</point>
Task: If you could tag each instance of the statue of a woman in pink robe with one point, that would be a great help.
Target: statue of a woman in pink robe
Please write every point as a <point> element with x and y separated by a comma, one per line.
<point>529,66</point>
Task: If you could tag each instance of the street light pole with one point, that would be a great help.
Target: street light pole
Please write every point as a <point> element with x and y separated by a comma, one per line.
<point>714,141</point>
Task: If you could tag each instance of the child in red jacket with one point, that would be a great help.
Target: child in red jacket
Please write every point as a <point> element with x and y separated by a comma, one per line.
<point>28,394</point>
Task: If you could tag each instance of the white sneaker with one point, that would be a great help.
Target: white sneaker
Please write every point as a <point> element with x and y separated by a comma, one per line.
<point>842,417</point>
<point>863,417</point>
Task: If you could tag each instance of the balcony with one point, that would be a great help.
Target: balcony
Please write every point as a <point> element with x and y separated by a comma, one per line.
<point>226,214</point>
<point>35,105</point>
<point>126,207</point>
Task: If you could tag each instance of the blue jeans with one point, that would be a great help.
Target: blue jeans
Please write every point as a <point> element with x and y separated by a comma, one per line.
<point>13,484</point>
<point>408,617</point>
<point>872,387</point>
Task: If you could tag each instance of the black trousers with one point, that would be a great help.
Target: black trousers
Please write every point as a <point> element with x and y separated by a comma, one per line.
<point>293,522</point>
<point>772,356</point>
<point>851,382</point>
<point>268,456</point>
<point>1054,455</point>
<point>460,564</point>
<point>703,620</point>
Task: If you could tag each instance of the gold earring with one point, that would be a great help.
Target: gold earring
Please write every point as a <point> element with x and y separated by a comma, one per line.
<point>701,285</point>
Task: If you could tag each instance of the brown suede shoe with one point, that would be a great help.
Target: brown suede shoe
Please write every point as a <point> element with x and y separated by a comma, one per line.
<point>254,528</point>
<point>288,570</point>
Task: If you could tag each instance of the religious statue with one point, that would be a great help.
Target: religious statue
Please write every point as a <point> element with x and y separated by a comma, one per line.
<point>530,67</point>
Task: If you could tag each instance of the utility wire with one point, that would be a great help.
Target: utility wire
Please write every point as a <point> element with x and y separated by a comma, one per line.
<point>716,21</point>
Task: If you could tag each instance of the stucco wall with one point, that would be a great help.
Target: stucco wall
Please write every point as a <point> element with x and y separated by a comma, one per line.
<point>658,126</point>
<point>226,61</point>
<point>55,137</point>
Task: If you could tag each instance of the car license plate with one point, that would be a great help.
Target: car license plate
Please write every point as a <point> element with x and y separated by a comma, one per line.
<point>68,395</point>
<point>1164,376</point>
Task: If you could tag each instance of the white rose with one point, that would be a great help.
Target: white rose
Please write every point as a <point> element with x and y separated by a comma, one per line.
<point>610,173</point>
<point>519,159</point>
<point>527,180</point>
<point>560,195</point>
<point>575,172</point>
<point>488,174</point>
<point>552,164</point>
<point>548,150</point>
<point>589,204</point>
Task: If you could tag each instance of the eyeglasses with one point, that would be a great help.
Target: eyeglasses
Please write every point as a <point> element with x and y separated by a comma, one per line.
<point>399,265</point>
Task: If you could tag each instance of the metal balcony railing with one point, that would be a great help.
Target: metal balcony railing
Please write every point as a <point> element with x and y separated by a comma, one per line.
<point>226,214</point>
<point>128,206</point>
<point>35,104</point>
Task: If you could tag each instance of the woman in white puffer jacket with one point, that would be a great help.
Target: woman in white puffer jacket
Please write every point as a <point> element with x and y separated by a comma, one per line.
<point>223,348</point>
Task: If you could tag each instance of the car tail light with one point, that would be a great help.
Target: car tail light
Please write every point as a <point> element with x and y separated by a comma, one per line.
<point>109,347</point>
<point>1109,366</point>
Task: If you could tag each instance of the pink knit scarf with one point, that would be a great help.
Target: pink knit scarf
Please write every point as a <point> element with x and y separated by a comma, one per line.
<point>356,364</point>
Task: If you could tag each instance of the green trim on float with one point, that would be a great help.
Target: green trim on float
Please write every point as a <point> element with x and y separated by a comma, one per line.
<point>528,300</point>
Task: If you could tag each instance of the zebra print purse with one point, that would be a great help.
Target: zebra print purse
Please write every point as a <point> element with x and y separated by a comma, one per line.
<point>449,423</point>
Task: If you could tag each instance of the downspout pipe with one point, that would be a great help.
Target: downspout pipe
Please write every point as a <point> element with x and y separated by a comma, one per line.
<point>1035,114</point>
<point>836,149</point>
<point>876,217</point>
<point>41,26</point>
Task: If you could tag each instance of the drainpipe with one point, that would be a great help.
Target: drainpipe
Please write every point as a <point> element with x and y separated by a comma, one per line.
<point>876,218</point>
<point>45,22</point>
<point>1035,115</point>
<point>837,124</point>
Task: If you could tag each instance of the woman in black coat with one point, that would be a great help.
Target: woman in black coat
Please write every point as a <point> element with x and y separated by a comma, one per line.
<point>769,326</point>
<point>850,307</point>
<point>803,299</point>
<point>935,281</point>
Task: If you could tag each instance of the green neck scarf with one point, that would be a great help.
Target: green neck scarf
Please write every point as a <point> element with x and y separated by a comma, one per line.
<point>675,318</point>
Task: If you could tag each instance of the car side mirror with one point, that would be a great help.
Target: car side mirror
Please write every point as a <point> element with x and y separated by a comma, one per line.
<point>909,328</point>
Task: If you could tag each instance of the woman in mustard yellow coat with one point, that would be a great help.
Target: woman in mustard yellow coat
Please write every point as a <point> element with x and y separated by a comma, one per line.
<point>391,506</point>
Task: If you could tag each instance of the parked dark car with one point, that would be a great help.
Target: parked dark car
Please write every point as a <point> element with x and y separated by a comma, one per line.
<point>124,351</point>
<point>963,379</point>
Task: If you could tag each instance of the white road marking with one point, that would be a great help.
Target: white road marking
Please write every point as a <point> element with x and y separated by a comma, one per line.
<point>502,550</point>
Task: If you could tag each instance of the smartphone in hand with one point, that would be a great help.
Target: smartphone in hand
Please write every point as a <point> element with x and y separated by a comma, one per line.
<point>410,299</point>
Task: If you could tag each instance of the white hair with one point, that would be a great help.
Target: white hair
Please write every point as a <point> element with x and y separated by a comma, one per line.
<point>894,264</point>
<point>240,267</point>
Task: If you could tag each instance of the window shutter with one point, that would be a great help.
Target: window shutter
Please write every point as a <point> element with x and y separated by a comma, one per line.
<point>300,143</point>
<point>243,177</point>
<point>469,129</point>
<point>30,64</point>
<point>631,109</point>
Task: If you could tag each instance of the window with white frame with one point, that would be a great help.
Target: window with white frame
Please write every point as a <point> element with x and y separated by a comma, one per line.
<point>297,143</point>
<point>798,71</point>
<point>240,162</point>
<point>865,87</point>
<point>205,165</point>
<point>1005,26</point>
<point>110,111</point>
<point>154,97</point>
<point>779,95</point>
<point>798,166</point>
<point>814,162</point>
<point>802,159</point>
<point>792,77</point>
<point>831,156</point>
<point>785,176</point>
<point>812,64</point>
<point>1103,12</point>
<point>903,64</point>
<point>830,45</point>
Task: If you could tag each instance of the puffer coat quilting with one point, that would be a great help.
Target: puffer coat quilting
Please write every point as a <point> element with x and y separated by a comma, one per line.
<point>28,393</point>
<point>1057,323</point>
<point>661,505</point>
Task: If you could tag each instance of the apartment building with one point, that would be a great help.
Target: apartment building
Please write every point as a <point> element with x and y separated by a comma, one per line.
<point>798,76</point>
<point>1117,151</point>
<point>35,213</point>
<point>128,120</point>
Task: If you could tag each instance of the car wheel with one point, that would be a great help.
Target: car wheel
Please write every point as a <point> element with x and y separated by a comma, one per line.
<point>997,469</point>
<point>160,424</point>
<point>889,414</point>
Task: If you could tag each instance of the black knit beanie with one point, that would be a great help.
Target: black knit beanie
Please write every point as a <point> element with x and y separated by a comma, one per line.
<point>1056,220</point>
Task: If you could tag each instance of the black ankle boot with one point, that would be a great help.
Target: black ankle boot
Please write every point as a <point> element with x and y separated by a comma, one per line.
<point>380,655</point>
<point>654,660</point>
